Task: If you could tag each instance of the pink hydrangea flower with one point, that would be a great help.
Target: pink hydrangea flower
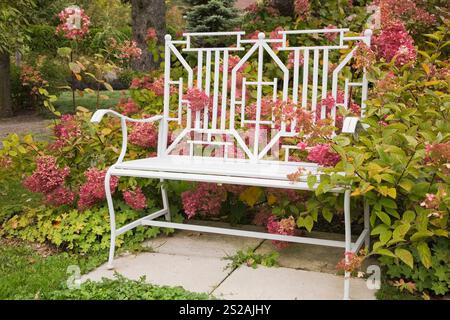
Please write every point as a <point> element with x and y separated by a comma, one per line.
<point>302,145</point>
<point>151,34</point>
<point>302,8</point>
<point>74,23</point>
<point>395,41</point>
<point>291,61</point>
<point>324,155</point>
<point>127,106</point>
<point>330,36</point>
<point>197,99</point>
<point>60,196</point>
<point>392,11</point>
<point>135,199</point>
<point>206,198</point>
<point>274,35</point>
<point>5,162</point>
<point>143,135</point>
<point>47,176</point>
<point>284,227</point>
<point>67,129</point>
<point>129,50</point>
<point>93,190</point>
<point>157,87</point>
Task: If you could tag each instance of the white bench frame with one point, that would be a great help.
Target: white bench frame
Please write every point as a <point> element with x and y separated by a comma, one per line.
<point>218,125</point>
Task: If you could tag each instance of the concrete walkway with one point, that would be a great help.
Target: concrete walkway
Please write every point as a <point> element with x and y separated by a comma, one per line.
<point>195,262</point>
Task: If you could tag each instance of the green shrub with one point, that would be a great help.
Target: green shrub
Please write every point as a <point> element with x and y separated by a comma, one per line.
<point>435,279</point>
<point>124,289</point>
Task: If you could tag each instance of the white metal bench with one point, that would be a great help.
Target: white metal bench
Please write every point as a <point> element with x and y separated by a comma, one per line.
<point>255,167</point>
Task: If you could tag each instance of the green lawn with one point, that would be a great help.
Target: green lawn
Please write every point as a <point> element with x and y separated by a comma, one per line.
<point>13,196</point>
<point>26,274</point>
<point>64,103</point>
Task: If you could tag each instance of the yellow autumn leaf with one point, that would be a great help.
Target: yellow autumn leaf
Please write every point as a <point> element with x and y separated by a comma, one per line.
<point>251,195</point>
<point>106,131</point>
<point>271,199</point>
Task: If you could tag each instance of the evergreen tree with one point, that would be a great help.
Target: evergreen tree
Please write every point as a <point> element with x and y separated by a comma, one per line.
<point>213,15</point>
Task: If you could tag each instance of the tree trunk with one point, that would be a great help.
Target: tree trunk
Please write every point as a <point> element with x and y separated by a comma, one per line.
<point>147,14</point>
<point>286,7</point>
<point>5,86</point>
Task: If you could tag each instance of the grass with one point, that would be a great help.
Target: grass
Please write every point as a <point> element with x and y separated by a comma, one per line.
<point>26,274</point>
<point>13,197</point>
<point>88,100</point>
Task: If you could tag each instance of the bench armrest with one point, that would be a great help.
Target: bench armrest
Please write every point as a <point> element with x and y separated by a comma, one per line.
<point>99,114</point>
<point>353,125</point>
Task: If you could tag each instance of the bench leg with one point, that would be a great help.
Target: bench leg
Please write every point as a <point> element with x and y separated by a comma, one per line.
<point>112,219</point>
<point>348,242</point>
<point>165,200</point>
<point>367,224</point>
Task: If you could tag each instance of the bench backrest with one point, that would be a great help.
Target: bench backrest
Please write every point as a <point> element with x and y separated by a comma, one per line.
<point>304,74</point>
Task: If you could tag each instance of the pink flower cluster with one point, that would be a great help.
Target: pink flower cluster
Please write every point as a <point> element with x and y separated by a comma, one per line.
<point>206,198</point>
<point>395,42</point>
<point>143,135</point>
<point>438,153</point>
<point>60,196</point>
<point>127,106</point>
<point>291,61</point>
<point>47,176</point>
<point>351,262</point>
<point>151,35</point>
<point>197,99</point>
<point>49,180</point>
<point>135,199</point>
<point>302,8</point>
<point>5,162</point>
<point>129,50</point>
<point>330,36</point>
<point>32,78</point>
<point>93,190</point>
<point>74,23</point>
<point>156,85</point>
<point>393,11</point>
<point>284,226</point>
<point>323,155</point>
<point>276,36</point>
<point>363,57</point>
<point>232,62</point>
<point>67,129</point>
<point>431,201</point>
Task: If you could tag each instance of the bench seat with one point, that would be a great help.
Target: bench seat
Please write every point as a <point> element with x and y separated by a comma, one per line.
<point>233,171</point>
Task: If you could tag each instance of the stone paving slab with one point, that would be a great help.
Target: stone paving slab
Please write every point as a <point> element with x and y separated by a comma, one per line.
<point>288,284</point>
<point>306,256</point>
<point>198,274</point>
<point>202,244</point>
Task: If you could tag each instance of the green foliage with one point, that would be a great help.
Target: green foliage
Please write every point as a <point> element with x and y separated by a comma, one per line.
<point>391,165</point>
<point>252,259</point>
<point>43,40</point>
<point>215,15</point>
<point>79,231</point>
<point>435,279</point>
<point>124,289</point>
<point>14,17</point>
